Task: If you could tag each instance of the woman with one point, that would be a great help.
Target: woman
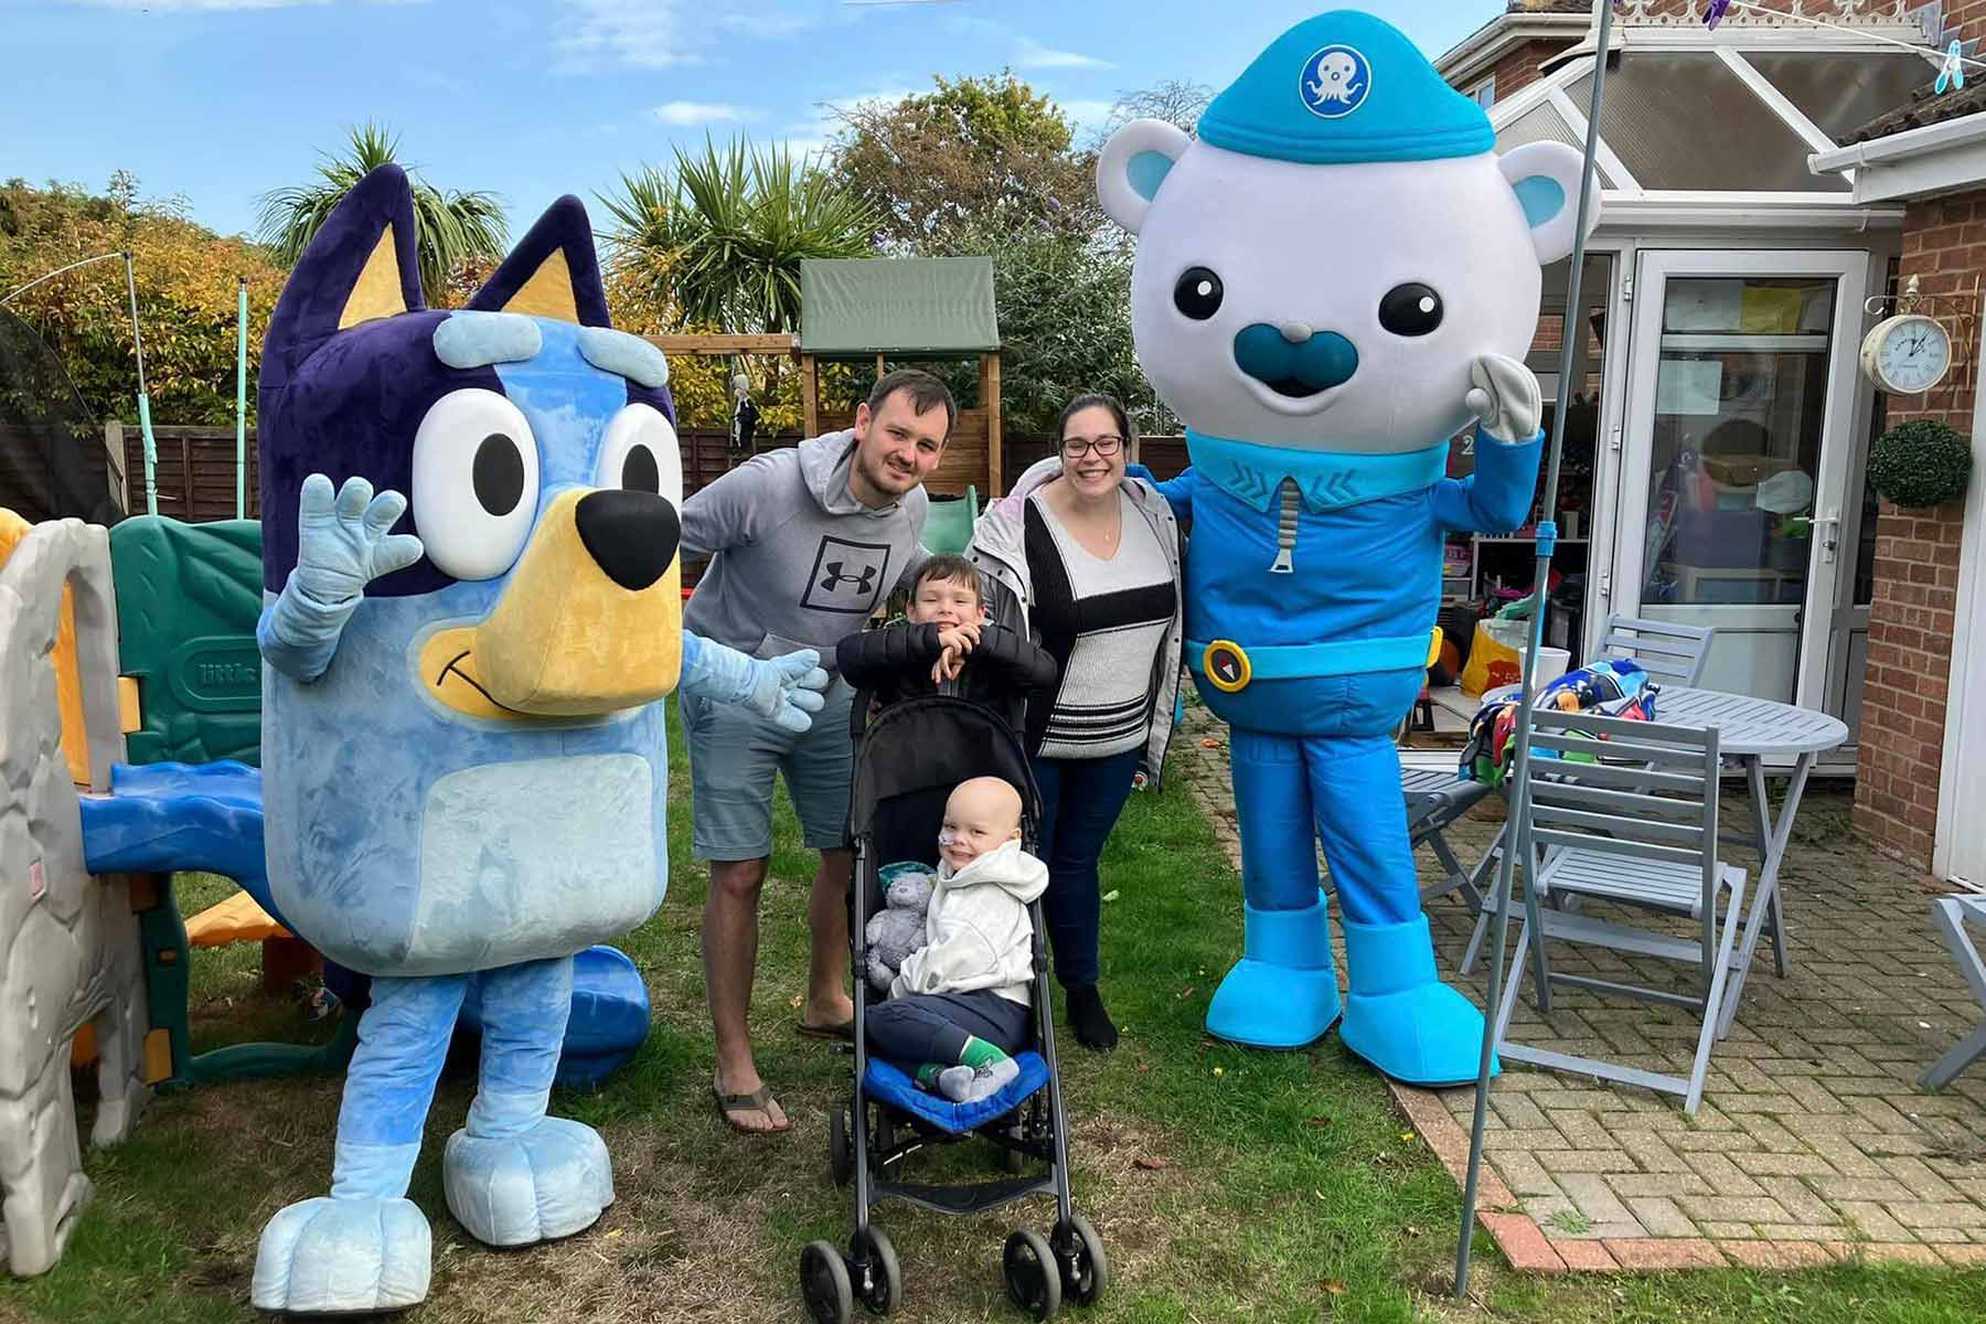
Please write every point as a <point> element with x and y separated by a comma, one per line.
<point>1087,561</point>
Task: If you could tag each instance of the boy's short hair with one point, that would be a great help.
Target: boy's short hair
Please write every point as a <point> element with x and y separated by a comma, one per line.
<point>949,569</point>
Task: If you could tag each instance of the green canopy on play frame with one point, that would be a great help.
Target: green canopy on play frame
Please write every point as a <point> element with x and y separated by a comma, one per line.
<point>890,305</point>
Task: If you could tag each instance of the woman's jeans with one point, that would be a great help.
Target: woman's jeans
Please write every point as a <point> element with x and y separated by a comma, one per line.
<point>1080,802</point>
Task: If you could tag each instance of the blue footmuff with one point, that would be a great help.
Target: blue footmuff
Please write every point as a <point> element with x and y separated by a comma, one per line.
<point>885,1082</point>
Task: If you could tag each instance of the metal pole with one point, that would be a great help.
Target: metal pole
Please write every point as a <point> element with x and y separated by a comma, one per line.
<point>100,257</point>
<point>1514,839</point>
<point>144,399</point>
<point>241,398</point>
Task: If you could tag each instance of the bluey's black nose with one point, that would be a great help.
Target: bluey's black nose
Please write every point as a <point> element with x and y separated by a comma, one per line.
<point>632,536</point>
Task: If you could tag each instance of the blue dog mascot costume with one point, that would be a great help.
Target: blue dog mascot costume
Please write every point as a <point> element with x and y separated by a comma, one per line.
<point>1331,281</point>
<point>464,772</point>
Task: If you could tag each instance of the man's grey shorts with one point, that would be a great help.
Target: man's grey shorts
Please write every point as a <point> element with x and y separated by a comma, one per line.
<point>733,754</point>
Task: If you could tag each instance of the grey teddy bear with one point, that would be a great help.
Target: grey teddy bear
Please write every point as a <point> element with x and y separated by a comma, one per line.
<point>898,930</point>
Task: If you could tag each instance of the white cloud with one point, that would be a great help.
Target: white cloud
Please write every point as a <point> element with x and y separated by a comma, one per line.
<point>687,114</point>
<point>656,34</point>
<point>1031,54</point>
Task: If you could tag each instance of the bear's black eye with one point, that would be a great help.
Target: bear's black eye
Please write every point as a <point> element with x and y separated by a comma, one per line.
<point>498,474</point>
<point>1198,293</point>
<point>1411,309</point>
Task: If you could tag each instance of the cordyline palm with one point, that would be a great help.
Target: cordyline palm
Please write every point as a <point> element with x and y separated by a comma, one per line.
<point>719,241</point>
<point>449,228</point>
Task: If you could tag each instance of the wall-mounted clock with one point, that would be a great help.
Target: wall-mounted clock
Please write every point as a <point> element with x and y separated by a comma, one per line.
<point>1908,354</point>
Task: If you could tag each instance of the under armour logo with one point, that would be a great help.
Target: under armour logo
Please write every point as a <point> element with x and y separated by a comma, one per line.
<point>847,577</point>
<point>835,577</point>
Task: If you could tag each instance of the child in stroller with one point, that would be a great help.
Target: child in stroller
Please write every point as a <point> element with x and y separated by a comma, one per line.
<point>958,1005</point>
<point>910,760</point>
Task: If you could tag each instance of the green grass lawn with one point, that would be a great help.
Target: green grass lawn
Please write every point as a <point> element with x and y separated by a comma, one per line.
<point>1227,1184</point>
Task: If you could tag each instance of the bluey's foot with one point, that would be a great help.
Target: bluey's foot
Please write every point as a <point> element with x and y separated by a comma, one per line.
<point>343,1257</point>
<point>548,1182</point>
<point>1399,1016</point>
<point>1283,992</point>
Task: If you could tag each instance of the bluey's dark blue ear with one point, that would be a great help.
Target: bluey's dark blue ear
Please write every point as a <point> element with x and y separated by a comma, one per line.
<point>360,265</point>
<point>553,272</point>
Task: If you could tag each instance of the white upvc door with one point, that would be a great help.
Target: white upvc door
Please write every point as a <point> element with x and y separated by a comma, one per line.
<point>1741,419</point>
<point>1960,850</point>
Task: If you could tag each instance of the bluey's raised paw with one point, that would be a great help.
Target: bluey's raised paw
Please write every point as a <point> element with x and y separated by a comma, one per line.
<point>548,1182</point>
<point>343,1257</point>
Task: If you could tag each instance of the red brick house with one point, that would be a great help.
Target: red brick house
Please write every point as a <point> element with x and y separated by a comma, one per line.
<point>1764,188</point>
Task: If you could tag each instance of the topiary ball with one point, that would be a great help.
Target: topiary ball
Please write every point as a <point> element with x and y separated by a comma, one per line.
<point>1920,463</point>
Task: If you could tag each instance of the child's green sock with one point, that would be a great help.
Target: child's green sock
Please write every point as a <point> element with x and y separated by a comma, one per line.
<point>982,1070</point>
<point>927,1075</point>
<point>978,1053</point>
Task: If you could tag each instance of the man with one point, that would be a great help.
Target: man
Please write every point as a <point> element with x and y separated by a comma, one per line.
<point>805,544</point>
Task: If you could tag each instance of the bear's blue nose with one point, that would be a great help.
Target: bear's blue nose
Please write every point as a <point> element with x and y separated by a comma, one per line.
<point>1306,366</point>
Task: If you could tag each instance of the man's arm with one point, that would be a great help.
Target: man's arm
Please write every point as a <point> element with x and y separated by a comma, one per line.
<point>726,513</point>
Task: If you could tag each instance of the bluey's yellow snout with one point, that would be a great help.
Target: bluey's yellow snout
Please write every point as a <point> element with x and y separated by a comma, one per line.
<point>591,621</point>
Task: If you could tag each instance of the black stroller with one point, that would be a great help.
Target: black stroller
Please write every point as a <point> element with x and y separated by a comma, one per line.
<point>906,764</point>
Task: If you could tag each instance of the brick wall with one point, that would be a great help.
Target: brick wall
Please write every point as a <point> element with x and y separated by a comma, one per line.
<point>1916,570</point>
<point>1518,66</point>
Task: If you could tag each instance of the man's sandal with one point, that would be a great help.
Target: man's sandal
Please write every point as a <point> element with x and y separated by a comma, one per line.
<point>844,1031</point>
<point>759,1101</point>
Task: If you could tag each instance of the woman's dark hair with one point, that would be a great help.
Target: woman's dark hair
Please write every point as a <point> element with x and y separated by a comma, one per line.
<point>1095,400</point>
<point>949,570</point>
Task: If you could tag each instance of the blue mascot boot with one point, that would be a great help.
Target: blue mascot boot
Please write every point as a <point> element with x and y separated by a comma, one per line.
<point>1402,1019</point>
<point>1283,992</point>
<point>359,1250</point>
<point>539,1184</point>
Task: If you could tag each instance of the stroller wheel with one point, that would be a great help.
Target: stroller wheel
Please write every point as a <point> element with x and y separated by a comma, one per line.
<point>1085,1268</point>
<point>841,1156</point>
<point>824,1284</point>
<point>881,1288</point>
<point>1033,1282</point>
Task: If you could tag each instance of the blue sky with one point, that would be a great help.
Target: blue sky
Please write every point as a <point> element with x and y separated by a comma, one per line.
<point>219,100</point>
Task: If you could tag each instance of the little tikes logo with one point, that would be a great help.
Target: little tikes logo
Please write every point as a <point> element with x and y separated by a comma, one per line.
<point>1335,82</point>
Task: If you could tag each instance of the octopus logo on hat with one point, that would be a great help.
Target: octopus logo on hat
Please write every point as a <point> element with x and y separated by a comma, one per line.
<point>1335,81</point>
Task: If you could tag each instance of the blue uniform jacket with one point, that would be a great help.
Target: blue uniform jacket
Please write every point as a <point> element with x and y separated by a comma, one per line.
<point>1338,644</point>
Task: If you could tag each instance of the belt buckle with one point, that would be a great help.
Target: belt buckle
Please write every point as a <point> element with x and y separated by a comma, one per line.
<point>1227,666</point>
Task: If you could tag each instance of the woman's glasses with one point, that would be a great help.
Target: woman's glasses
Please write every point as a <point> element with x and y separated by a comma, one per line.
<point>1107,445</point>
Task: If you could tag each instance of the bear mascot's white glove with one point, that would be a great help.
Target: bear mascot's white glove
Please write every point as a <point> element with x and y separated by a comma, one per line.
<point>1505,397</point>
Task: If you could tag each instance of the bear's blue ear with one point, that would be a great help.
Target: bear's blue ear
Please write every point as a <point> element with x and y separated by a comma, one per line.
<point>1545,178</point>
<point>1133,164</point>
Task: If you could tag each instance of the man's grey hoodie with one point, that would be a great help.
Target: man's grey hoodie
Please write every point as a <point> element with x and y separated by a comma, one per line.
<point>795,560</point>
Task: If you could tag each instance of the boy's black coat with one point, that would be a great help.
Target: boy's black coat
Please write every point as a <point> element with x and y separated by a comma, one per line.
<point>894,663</point>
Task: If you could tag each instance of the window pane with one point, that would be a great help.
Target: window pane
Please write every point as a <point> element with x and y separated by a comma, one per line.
<point>1840,92</point>
<point>1683,120</point>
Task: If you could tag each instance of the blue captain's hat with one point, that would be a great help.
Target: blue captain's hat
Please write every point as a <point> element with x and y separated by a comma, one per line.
<point>1345,87</point>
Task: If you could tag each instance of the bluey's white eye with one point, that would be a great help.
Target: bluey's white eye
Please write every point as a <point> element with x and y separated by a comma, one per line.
<point>475,483</point>
<point>639,453</point>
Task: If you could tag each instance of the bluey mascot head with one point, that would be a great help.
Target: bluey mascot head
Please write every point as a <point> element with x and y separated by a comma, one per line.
<point>1322,265</point>
<point>478,777</point>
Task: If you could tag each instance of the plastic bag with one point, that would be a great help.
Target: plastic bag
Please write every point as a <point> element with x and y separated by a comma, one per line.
<point>1493,656</point>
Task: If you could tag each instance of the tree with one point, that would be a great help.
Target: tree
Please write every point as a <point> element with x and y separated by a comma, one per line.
<point>719,241</point>
<point>185,276</point>
<point>977,156</point>
<point>1175,101</point>
<point>715,244</point>
<point>451,229</point>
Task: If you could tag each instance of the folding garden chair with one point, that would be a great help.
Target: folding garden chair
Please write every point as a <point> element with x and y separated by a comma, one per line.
<point>1948,916</point>
<point>1636,828</point>
<point>1667,652</point>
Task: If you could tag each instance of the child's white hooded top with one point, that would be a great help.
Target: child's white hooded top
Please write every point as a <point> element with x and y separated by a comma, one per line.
<point>976,933</point>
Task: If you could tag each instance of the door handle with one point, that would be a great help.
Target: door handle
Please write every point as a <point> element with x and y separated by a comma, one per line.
<point>1827,528</point>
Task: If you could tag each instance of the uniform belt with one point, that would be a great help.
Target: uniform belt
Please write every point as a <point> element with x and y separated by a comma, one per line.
<point>1338,657</point>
